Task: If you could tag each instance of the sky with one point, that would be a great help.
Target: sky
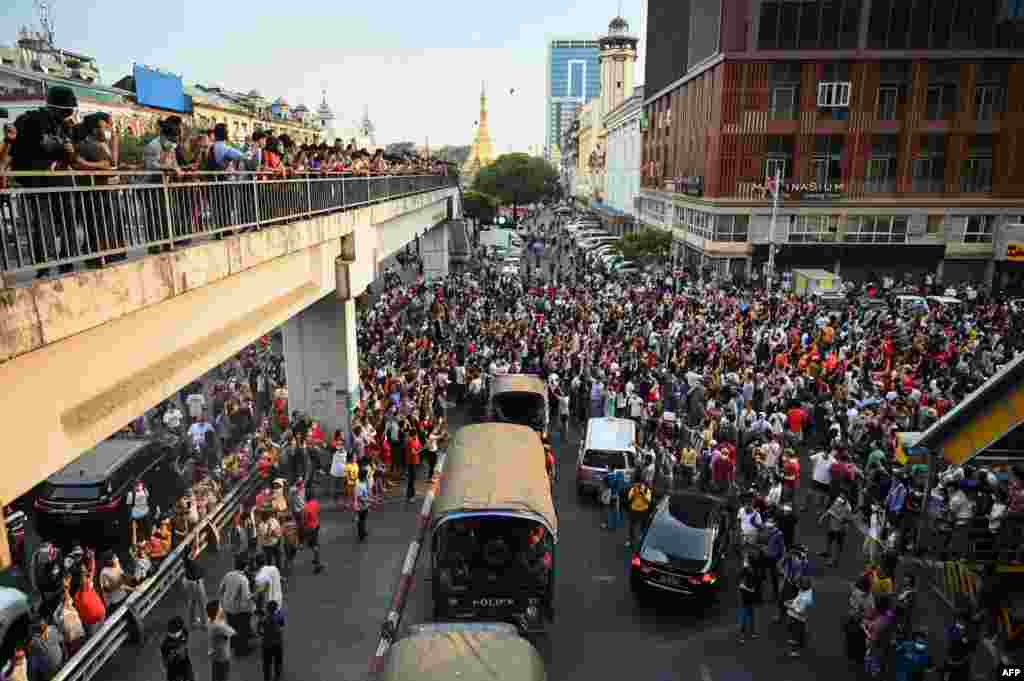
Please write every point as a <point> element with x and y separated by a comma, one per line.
<point>416,65</point>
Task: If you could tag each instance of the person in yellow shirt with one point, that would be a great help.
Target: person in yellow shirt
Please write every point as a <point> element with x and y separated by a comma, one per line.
<point>351,478</point>
<point>639,499</point>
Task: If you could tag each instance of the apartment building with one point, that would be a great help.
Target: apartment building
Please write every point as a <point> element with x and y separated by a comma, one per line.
<point>885,131</point>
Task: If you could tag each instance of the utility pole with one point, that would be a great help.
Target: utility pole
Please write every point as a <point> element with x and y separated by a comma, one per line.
<point>776,189</point>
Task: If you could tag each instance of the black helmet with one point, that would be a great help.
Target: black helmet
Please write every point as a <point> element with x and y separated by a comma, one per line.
<point>60,97</point>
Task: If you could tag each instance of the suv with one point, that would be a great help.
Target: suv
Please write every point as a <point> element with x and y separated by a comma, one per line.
<point>86,500</point>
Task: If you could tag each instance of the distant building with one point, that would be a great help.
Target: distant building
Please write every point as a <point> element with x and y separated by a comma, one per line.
<point>573,79</point>
<point>895,129</point>
<point>34,52</point>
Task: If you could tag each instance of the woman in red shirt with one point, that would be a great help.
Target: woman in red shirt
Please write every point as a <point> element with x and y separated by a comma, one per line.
<point>412,460</point>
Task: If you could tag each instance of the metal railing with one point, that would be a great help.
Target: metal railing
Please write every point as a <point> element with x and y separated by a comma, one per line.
<point>125,623</point>
<point>59,219</point>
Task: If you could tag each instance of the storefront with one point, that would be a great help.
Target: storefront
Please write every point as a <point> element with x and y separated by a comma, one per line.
<point>1009,257</point>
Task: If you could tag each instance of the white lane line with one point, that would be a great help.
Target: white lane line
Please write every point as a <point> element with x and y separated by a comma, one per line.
<point>410,558</point>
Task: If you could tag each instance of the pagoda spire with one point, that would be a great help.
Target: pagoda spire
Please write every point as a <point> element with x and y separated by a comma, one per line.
<point>482,152</point>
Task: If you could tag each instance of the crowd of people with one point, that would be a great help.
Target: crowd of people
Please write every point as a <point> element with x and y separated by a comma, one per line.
<point>106,223</point>
<point>734,392</point>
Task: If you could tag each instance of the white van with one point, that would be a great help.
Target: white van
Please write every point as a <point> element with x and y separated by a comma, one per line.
<point>610,444</point>
<point>909,305</point>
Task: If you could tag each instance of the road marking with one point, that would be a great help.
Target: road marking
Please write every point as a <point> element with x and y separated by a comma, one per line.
<point>705,672</point>
<point>410,558</point>
<point>605,578</point>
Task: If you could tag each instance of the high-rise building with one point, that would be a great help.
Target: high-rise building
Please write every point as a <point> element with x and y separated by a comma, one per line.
<point>573,79</point>
<point>885,130</point>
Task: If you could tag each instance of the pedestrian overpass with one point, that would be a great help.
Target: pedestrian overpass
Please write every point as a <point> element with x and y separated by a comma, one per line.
<point>84,354</point>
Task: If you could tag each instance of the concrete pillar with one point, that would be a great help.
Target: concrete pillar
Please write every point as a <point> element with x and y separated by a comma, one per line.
<point>939,270</point>
<point>434,251</point>
<point>322,362</point>
<point>990,273</point>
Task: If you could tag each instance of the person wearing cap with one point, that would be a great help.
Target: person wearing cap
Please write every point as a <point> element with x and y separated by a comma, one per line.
<point>160,157</point>
<point>43,142</point>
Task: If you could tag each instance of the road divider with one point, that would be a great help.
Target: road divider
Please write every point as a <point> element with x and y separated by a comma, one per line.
<point>126,623</point>
<point>399,597</point>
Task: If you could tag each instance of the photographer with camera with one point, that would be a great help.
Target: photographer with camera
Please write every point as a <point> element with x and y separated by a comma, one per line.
<point>43,142</point>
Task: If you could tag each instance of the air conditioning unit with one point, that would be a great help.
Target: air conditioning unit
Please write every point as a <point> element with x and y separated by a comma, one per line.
<point>833,95</point>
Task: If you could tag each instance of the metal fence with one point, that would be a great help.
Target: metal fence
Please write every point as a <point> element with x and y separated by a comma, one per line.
<point>59,219</point>
<point>125,623</point>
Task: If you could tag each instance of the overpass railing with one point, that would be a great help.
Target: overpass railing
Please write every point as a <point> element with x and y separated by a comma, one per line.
<point>125,624</point>
<point>59,219</point>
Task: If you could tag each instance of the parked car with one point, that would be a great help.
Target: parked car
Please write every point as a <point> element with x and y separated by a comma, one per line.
<point>86,500</point>
<point>684,548</point>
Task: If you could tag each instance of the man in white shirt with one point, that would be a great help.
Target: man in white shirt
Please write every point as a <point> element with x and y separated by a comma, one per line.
<point>196,403</point>
<point>268,583</point>
<point>822,475</point>
<point>460,382</point>
<point>198,430</point>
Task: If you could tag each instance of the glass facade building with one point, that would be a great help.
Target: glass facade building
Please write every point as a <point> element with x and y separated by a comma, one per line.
<point>573,78</point>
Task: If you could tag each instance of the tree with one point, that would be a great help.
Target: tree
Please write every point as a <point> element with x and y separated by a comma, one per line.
<point>130,148</point>
<point>517,179</point>
<point>480,207</point>
<point>400,149</point>
<point>454,154</point>
<point>646,243</point>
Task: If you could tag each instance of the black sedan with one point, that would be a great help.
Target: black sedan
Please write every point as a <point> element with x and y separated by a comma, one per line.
<point>684,549</point>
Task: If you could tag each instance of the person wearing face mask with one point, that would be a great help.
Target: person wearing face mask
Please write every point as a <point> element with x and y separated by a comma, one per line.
<point>44,142</point>
<point>95,135</point>
<point>160,158</point>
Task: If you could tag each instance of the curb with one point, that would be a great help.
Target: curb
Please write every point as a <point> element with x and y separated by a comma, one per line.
<point>389,629</point>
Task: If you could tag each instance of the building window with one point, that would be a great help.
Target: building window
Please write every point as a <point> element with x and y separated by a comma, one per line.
<point>783,104</point>
<point>876,229</point>
<point>733,228</point>
<point>988,101</point>
<point>976,175</point>
<point>809,24</point>
<point>935,225</point>
<point>943,78</point>
<point>888,98</point>
<point>882,169</point>
<point>978,229</point>
<point>940,103</point>
<point>813,229</point>
<point>779,156</point>
<point>930,165</point>
<point>827,161</point>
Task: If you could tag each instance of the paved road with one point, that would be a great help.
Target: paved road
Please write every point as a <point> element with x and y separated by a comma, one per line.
<point>600,633</point>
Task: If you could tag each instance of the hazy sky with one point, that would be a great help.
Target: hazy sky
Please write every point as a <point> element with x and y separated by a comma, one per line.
<point>416,65</point>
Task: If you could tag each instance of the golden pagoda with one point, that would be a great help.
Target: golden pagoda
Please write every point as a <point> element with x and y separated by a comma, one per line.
<point>482,153</point>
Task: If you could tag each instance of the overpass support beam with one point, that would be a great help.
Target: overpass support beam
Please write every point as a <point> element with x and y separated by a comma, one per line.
<point>434,252</point>
<point>322,362</point>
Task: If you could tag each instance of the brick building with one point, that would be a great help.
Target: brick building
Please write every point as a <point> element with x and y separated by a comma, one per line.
<point>886,131</point>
